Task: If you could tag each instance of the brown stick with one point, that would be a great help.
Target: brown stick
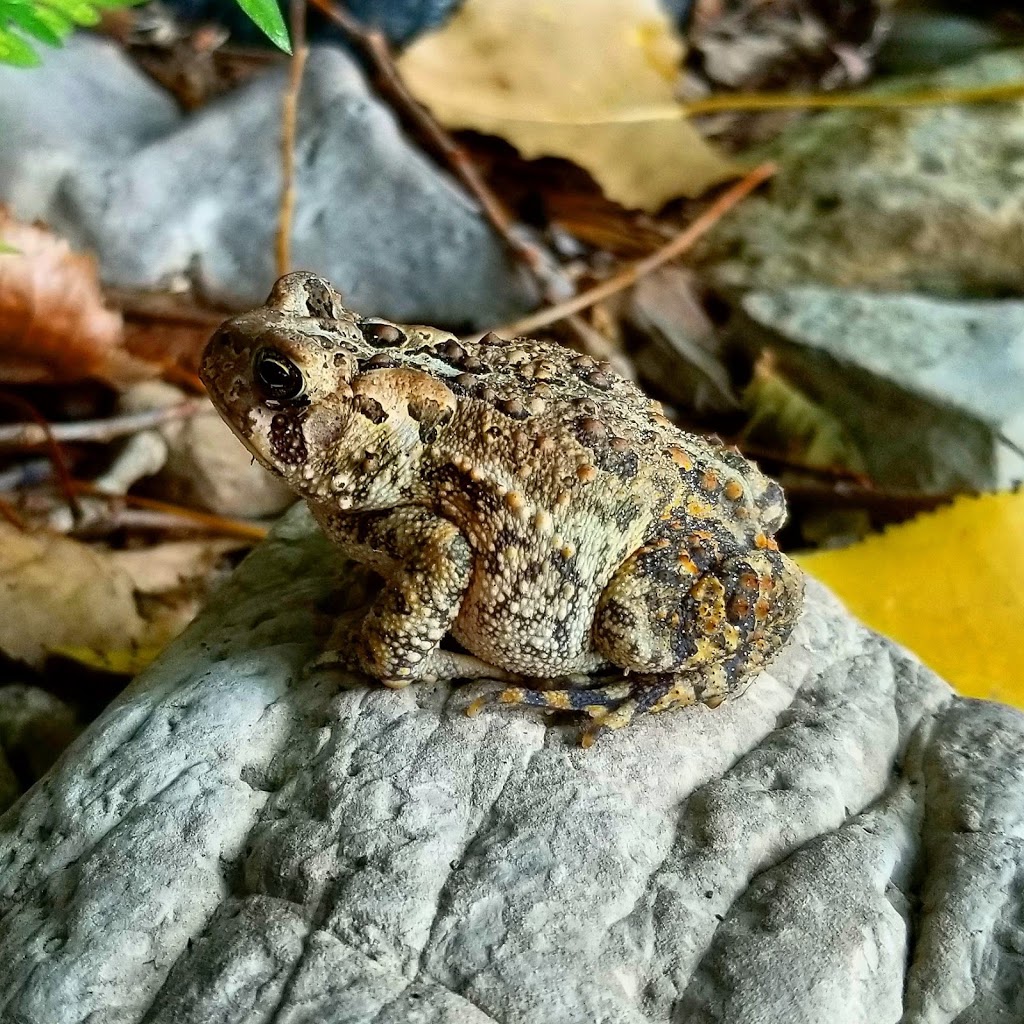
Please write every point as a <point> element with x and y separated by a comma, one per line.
<point>846,495</point>
<point>57,457</point>
<point>289,117</point>
<point>10,513</point>
<point>555,284</point>
<point>206,520</point>
<point>683,241</point>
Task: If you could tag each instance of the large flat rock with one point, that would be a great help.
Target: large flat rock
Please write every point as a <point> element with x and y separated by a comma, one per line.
<point>927,198</point>
<point>930,390</point>
<point>235,841</point>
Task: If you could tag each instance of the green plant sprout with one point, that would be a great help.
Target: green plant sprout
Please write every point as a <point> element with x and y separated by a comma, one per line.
<point>23,22</point>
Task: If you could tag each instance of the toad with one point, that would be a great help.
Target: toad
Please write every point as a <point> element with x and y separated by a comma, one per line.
<point>519,496</point>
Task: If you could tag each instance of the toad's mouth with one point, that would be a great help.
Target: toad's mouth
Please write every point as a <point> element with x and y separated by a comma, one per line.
<point>246,439</point>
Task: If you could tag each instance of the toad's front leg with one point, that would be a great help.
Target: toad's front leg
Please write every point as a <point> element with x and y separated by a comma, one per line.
<point>426,564</point>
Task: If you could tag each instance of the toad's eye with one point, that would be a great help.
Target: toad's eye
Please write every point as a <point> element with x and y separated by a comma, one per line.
<point>277,376</point>
<point>381,334</point>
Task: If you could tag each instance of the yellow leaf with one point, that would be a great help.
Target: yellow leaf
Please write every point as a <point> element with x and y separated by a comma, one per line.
<point>61,593</point>
<point>949,585</point>
<point>127,663</point>
<point>552,76</point>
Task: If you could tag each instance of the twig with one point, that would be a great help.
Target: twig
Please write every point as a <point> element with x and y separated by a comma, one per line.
<point>25,474</point>
<point>289,116</point>
<point>99,431</point>
<point>625,278</point>
<point>184,378</point>
<point>555,284</point>
<point>1001,93</point>
<point>166,308</point>
<point>783,461</point>
<point>47,437</point>
<point>1010,443</point>
<point>207,520</point>
<point>117,519</point>
<point>846,495</point>
<point>10,513</point>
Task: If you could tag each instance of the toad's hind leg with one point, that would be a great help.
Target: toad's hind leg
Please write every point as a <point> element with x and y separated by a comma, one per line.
<point>690,606</point>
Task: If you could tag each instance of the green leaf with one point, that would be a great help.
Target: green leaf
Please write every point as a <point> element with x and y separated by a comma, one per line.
<point>14,50</point>
<point>79,11</point>
<point>49,21</point>
<point>57,21</point>
<point>267,16</point>
<point>46,25</point>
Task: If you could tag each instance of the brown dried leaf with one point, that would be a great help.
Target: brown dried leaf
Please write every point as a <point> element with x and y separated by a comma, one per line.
<point>683,356</point>
<point>54,325</point>
<point>60,595</point>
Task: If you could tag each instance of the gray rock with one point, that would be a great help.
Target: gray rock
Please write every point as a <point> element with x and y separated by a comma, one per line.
<point>205,465</point>
<point>35,728</point>
<point>234,841</point>
<point>200,202</point>
<point>86,103</point>
<point>931,391</point>
<point>926,198</point>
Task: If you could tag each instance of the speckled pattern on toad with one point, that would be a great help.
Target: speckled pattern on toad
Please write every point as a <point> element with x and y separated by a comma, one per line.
<point>518,496</point>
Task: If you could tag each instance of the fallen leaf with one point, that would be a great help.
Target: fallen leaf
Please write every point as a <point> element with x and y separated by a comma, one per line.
<point>63,596</point>
<point>54,325</point>
<point>552,78</point>
<point>683,356</point>
<point>126,663</point>
<point>782,418</point>
<point>165,567</point>
<point>948,586</point>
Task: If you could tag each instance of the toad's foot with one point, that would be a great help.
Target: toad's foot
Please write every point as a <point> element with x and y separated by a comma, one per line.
<point>616,705</point>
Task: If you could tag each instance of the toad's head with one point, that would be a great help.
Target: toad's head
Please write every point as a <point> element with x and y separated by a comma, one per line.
<point>319,395</point>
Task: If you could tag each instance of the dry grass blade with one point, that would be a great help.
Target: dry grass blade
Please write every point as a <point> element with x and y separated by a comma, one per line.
<point>685,240</point>
<point>289,128</point>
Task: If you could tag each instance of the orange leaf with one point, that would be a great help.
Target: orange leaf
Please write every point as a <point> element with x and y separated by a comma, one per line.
<point>54,324</point>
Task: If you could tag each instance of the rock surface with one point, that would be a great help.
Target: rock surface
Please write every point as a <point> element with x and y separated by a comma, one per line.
<point>931,391</point>
<point>164,199</point>
<point>204,464</point>
<point>924,199</point>
<point>235,841</point>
